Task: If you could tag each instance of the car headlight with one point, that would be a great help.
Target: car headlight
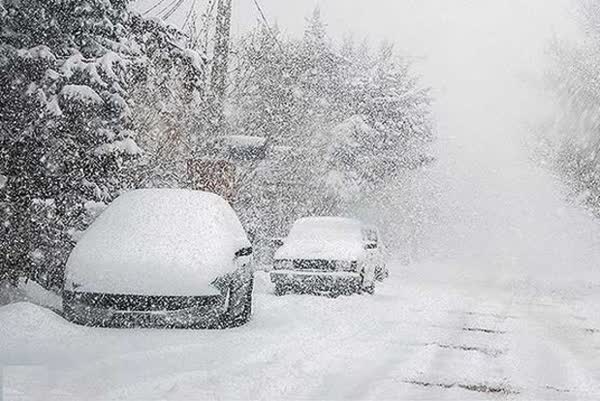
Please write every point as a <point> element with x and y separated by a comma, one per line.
<point>283,265</point>
<point>347,266</point>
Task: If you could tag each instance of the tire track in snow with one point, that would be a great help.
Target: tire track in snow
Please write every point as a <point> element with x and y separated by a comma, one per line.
<point>554,352</point>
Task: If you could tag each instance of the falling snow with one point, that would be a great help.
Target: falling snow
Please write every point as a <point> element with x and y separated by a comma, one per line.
<point>452,146</point>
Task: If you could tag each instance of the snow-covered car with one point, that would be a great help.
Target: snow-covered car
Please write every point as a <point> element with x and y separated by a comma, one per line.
<point>161,258</point>
<point>324,255</point>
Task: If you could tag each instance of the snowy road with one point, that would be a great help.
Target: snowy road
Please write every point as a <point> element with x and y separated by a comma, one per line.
<point>418,338</point>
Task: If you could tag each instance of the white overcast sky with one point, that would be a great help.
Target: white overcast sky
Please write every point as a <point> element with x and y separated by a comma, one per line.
<point>475,52</point>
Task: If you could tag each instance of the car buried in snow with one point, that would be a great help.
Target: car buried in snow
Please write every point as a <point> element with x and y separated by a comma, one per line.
<point>326,255</point>
<point>161,259</point>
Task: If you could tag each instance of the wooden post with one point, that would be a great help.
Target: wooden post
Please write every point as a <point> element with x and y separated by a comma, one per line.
<point>220,64</point>
<point>216,176</point>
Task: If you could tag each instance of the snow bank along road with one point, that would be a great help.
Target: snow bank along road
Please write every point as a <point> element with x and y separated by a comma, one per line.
<point>419,337</point>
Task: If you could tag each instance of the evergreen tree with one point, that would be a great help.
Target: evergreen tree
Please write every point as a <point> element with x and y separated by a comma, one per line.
<point>574,146</point>
<point>341,123</point>
<point>67,135</point>
<point>315,32</point>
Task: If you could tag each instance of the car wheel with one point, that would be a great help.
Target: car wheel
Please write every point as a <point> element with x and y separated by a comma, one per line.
<point>68,313</point>
<point>72,316</point>
<point>378,274</point>
<point>239,309</point>
<point>370,289</point>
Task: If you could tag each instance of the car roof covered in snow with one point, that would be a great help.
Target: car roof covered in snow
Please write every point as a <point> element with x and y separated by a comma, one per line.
<point>328,238</point>
<point>158,242</point>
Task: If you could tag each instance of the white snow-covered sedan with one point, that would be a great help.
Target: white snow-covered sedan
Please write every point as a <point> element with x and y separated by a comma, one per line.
<point>325,255</point>
<point>161,258</point>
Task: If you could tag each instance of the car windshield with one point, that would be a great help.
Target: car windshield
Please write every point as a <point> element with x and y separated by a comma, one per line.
<point>325,229</point>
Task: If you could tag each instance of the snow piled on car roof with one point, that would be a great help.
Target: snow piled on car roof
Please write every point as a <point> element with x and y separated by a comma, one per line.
<point>324,238</point>
<point>158,242</point>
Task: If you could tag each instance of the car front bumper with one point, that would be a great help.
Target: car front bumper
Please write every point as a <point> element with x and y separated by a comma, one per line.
<point>313,282</point>
<point>200,317</point>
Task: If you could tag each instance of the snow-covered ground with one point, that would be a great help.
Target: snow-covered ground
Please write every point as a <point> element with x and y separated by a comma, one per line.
<point>428,333</point>
<point>29,291</point>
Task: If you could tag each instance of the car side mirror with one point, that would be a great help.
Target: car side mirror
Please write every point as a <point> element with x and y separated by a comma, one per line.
<point>370,246</point>
<point>244,252</point>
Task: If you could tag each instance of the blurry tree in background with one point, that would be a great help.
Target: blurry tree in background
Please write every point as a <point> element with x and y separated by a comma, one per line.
<point>97,100</point>
<point>342,123</point>
<point>168,106</point>
<point>575,145</point>
<point>74,74</point>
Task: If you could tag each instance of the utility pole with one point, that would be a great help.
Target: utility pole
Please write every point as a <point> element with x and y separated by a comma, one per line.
<point>208,174</point>
<point>220,64</point>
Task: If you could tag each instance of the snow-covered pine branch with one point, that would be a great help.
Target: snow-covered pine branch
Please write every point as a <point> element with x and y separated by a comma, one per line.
<point>71,72</point>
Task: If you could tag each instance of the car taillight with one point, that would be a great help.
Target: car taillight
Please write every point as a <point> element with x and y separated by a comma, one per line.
<point>347,266</point>
<point>283,265</point>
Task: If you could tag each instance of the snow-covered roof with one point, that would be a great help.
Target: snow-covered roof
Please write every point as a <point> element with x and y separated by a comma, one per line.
<point>158,242</point>
<point>328,238</point>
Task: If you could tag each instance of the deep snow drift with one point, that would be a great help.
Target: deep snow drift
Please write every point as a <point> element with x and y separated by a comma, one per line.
<point>418,338</point>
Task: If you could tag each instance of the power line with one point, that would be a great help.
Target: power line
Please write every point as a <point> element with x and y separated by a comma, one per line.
<point>168,6</point>
<point>268,26</point>
<point>206,17</point>
<point>189,14</point>
<point>154,7</point>
<point>172,10</point>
